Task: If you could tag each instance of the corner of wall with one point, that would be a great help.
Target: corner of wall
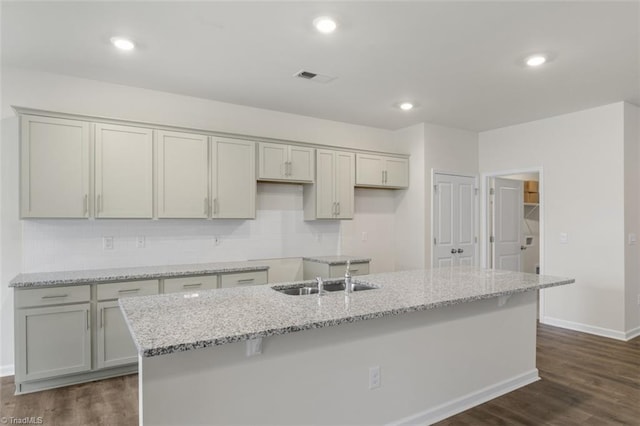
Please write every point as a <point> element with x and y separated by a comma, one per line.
<point>632,216</point>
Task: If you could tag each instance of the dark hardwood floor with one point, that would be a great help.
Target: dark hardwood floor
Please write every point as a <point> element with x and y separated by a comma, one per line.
<point>586,380</point>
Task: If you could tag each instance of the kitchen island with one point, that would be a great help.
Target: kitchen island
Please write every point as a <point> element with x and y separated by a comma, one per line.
<point>419,347</point>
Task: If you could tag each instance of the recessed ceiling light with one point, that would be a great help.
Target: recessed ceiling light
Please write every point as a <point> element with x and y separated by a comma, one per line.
<point>325,25</point>
<point>122,43</point>
<point>406,106</point>
<point>536,60</point>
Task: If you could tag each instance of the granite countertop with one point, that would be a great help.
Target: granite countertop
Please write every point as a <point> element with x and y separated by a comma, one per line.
<point>337,260</point>
<point>100,276</point>
<point>170,323</point>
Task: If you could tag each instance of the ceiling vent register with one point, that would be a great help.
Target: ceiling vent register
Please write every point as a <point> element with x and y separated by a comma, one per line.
<point>312,76</point>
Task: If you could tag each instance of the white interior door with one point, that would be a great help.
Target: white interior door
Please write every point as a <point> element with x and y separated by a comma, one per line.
<point>507,201</point>
<point>454,224</point>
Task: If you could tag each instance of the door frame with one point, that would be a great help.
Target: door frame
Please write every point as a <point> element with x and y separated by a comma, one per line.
<point>485,217</point>
<point>476,206</point>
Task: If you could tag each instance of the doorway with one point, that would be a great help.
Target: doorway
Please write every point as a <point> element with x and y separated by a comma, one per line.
<point>529,209</point>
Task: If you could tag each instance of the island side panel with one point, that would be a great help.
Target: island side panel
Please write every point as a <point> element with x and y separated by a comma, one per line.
<point>433,363</point>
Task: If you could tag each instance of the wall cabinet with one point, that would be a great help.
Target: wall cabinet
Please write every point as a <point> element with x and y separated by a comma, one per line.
<point>54,169</point>
<point>381,171</point>
<point>123,171</point>
<point>291,163</point>
<point>182,175</point>
<point>52,340</point>
<point>233,178</point>
<point>332,196</point>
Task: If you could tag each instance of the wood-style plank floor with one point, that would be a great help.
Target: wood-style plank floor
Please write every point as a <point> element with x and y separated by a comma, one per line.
<point>586,380</point>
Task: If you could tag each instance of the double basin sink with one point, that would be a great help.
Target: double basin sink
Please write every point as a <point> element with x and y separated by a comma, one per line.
<point>328,286</point>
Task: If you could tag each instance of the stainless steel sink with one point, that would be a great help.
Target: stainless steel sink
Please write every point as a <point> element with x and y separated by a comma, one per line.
<point>312,288</point>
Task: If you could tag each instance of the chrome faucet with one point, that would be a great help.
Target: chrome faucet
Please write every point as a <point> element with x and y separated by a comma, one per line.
<point>320,286</point>
<point>347,278</point>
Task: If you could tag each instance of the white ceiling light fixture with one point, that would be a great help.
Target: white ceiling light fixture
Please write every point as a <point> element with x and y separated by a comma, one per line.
<point>325,24</point>
<point>123,43</point>
<point>406,106</point>
<point>536,60</point>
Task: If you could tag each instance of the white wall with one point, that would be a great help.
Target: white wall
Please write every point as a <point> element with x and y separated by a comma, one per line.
<point>409,220</point>
<point>279,230</point>
<point>451,150</point>
<point>582,156</point>
<point>632,216</point>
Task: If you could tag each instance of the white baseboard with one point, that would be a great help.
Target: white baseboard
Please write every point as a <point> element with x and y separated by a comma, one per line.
<point>632,334</point>
<point>7,370</point>
<point>585,328</point>
<point>458,405</point>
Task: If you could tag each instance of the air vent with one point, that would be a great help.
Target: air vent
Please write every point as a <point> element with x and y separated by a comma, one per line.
<point>306,74</point>
<point>312,76</point>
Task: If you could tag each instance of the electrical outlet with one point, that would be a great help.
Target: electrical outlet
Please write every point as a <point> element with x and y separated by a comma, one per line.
<point>564,238</point>
<point>140,241</point>
<point>639,300</point>
<point>107,243</point>
<point>216,240</point>
<point>374,377</point>
<point>365,236</point>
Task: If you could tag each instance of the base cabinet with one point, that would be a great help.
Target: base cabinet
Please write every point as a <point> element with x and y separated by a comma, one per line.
<point>312,270</point>
<point>114,343</point>
<point>52,341</point>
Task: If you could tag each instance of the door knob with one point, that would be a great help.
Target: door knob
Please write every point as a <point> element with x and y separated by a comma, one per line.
<point>460,251</point>
<point>453,251</point>
<point>523,247</point>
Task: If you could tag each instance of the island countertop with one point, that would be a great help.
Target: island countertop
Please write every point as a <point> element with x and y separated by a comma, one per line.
<point>100,276</point>
<point>169,323</point>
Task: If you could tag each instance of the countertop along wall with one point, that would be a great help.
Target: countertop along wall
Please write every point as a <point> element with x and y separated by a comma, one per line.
<point>278,231</point>
<point>581,155</point>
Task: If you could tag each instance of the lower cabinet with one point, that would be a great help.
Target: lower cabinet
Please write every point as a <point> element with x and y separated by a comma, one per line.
<point>52,341</point>
<point>242,279</point>
<point>204,282</point>
<point>312,269</point>
<point>114,344</point>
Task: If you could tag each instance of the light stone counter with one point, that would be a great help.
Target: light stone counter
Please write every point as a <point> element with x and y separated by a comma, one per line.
<point>99,276</point>
<point>171,323</point>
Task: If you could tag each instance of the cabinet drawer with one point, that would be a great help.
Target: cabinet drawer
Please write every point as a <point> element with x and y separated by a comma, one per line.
<point>243,279</point>
<point>203,282</point>
<point>52,295</point>
<point>336,271</point>
<point>127,289</point>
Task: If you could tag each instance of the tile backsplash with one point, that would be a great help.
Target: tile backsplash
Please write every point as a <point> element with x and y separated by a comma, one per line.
<point>278,231</point>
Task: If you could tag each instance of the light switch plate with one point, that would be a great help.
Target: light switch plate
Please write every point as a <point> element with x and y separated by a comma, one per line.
<point>633,239</point>
<point>564,238</point>
<point>140,241</point>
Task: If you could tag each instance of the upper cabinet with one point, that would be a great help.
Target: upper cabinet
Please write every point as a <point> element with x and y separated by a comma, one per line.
<point>382,171</point>
<point>332,196</point>
<point>183,175</point>
<point>124,171</point>
<point>54,168</point>
<point>233,178</point>
<point>285,163</point>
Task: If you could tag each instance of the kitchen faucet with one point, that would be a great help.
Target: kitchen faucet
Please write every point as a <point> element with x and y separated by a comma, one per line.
<point>347,279</point>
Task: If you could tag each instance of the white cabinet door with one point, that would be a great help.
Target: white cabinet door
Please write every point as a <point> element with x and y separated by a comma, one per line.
<point>369,170</point>
<point>396,172</point>
<point>344,184</point>
<point>382,171</point>
<point>301,164</point>
<point>325,202</point>
<point>285,162</point>
<point>243,279</point>
<point>332,194</point>
<point>124,172</point>
<point>233,178</point>
<point>52,341</point>
<point>54,167</point>
<point>115,345</point>
<point>273,161</point>
<point>183,172</point>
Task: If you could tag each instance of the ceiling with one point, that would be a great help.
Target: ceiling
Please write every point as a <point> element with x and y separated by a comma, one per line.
<point>461,62</point>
